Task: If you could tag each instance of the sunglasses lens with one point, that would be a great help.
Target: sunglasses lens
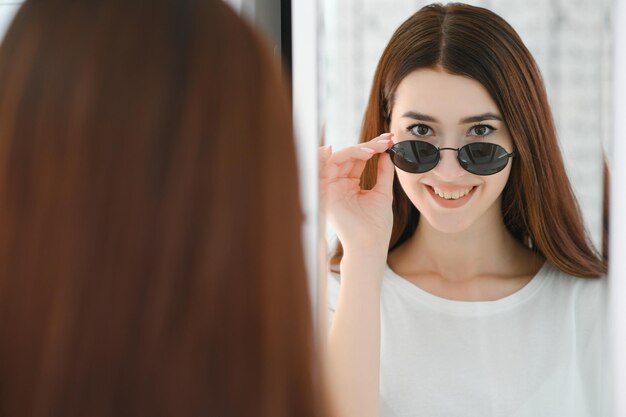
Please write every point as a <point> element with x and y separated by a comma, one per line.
<point>483,158</point>
<point>414,156</point>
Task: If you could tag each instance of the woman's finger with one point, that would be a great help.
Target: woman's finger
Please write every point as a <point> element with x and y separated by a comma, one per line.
<point>384,180</point>
<point>324,154</point>
<point>363,151</point>
<point>350,162</point>
<point>382,144</point>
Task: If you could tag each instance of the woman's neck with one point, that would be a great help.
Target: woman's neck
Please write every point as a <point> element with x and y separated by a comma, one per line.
<point>485,249</point>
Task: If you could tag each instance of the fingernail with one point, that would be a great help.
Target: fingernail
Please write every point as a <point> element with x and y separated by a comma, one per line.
<point>367,150</point>
<point>387,135</point>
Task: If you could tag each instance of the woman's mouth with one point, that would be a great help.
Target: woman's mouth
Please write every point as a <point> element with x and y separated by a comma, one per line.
<point>451,199</point>
<point>452,195</point>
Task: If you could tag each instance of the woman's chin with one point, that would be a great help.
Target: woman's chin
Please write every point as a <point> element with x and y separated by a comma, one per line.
<point>447,224</point>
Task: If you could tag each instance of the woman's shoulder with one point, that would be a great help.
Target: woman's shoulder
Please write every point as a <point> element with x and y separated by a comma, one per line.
<point>567,280</point>
<point>589,295</point>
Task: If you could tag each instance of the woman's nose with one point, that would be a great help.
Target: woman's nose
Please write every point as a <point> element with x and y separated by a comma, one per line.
<point>448,167</point>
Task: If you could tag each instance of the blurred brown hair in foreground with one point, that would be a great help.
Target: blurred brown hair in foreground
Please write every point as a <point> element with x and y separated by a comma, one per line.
<point>150,219</point>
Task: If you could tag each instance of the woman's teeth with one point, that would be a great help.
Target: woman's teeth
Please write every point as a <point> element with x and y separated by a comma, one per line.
<point>455,195</point>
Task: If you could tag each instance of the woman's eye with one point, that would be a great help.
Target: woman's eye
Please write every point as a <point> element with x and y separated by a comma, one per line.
<point>420,130</point>
<point>481,130</point>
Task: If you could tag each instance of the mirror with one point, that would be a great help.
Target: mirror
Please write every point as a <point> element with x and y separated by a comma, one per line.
<point>572,46</point>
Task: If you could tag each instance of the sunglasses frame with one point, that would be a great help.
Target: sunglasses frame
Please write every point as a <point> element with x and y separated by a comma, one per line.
<point>393,153</point>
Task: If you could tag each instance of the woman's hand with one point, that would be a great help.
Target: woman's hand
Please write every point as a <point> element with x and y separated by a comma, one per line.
<point>362,219</point>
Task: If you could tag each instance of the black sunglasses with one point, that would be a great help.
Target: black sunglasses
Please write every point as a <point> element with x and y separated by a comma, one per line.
<point>480,158</point>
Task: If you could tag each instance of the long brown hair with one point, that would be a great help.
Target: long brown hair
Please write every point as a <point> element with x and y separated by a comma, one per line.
<point>150,247</point>
<point>538,204</point>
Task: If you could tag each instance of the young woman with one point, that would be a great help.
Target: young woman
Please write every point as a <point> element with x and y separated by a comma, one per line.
<point>147,163</point>
<point>467,283</point>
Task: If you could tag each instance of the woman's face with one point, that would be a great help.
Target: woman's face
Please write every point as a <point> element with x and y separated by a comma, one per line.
<point>450,111</point>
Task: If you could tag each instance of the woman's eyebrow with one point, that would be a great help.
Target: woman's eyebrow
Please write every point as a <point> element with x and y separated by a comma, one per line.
<point>419,116</point>
<point>480,118</point>
<point>471,119</point>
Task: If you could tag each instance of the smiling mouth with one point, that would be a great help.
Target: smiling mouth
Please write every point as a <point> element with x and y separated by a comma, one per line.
<point>452,195</point>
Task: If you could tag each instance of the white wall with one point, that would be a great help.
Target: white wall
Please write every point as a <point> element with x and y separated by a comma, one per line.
<point>7,11</point>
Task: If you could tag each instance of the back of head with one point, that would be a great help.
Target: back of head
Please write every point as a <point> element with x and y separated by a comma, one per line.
<point>538,204</point>
<point>150,241</point>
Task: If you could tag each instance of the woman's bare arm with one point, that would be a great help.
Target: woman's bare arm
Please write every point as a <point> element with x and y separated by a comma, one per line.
<point>354,337</point>
<point>362,220</point>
